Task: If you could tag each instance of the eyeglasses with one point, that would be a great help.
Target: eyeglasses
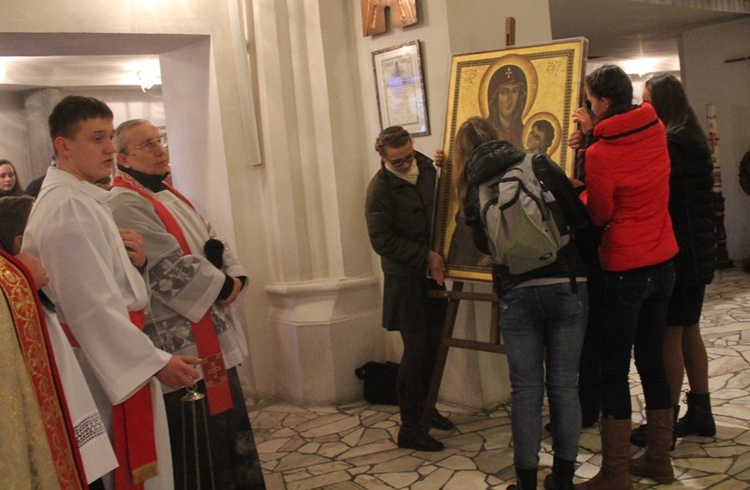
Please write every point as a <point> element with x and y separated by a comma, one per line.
<point>151,145</point>
<point>400,161</point>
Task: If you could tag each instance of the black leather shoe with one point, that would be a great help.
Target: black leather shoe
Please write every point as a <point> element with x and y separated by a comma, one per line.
<point>419,440</point>
<point>440,422</point>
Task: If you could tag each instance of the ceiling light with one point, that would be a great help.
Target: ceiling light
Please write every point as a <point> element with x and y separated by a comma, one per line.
<point>147,73</point>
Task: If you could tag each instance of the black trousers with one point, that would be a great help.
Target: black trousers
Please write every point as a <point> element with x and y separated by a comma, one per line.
<point>233,462</point>
<point>418,362</point>
<point>590,368</point>
<point>636,302</point>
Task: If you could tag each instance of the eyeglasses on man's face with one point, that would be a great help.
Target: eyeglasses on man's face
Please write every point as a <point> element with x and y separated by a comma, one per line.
<point>152,145</point>
<point>400,161</point>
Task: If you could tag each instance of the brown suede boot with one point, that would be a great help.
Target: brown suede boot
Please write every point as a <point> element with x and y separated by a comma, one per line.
<point>655,462</point>
<point>614,474</point>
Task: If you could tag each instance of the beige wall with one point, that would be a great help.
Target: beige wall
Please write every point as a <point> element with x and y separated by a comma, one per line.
<point>708,78</point>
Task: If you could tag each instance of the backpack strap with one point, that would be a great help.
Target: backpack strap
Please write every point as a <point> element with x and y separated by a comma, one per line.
<point>571,274</point>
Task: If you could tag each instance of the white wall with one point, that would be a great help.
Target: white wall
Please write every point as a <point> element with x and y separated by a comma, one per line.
<point>708,78</point>
<point>128,103</point>
<point>13,140</point>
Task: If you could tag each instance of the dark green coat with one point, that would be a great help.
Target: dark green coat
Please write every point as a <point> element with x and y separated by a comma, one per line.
<point>399,218</point>
<point>399,222</point>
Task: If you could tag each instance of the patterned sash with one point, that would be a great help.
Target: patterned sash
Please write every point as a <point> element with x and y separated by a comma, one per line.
<point>204,332</point>
<point>33,338</point>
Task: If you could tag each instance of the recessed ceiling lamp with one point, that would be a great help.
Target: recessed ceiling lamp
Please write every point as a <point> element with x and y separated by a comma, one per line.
<point>148,73</point>
<point>145,80</point>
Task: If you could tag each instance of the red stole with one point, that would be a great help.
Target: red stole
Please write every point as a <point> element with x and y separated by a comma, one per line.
<point>33,338</point>
<point>204,332</point>
<point>134,439</point>
<point>133,427</point>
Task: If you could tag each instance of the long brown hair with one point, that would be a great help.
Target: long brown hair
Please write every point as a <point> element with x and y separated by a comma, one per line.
<point>472,133</point>
<point>17,189</point>
<point>671,102</point>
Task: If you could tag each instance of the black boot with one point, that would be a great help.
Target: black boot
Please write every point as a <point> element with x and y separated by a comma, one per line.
<point>416,438</point>
<point>699,420</point>
<point>441,422</point>
<point>525,479</point>
<point>639,437</point>
<point>562,475</point>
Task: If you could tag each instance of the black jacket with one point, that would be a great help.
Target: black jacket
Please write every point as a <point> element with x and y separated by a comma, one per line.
<point>399,218</point>
<point>691,204</point>
<point>491,159</point>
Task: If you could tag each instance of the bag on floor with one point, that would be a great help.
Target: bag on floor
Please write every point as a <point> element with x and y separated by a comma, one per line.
<point>380,382</point>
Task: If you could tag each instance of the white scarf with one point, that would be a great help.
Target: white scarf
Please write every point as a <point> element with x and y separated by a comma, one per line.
<point>411,176</point>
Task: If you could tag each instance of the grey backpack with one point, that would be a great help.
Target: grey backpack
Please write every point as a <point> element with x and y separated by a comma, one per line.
<point>524,222</point>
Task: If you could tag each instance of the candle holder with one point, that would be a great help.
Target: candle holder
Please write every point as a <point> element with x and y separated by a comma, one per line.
<point>195,440</point>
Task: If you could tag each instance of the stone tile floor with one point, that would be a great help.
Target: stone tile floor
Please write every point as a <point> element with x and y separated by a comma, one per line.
<point>352,446</point>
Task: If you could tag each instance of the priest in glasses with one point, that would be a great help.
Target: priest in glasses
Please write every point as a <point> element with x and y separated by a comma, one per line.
<point>193,278</point>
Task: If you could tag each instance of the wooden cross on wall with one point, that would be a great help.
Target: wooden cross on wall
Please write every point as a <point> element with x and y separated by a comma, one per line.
<point>403,13</point>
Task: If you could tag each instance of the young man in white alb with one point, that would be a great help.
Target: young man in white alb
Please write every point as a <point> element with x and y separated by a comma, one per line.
<point>100,295</point>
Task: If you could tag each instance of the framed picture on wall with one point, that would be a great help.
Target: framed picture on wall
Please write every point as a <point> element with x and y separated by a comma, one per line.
<point>399,86</point>
<point>528,93</point>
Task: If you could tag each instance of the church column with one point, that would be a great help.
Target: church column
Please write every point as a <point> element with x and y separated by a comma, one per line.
<point>324,311</point>
<point>38,105</point>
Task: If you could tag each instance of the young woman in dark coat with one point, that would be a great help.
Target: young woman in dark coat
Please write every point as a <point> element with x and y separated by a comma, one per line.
<point>399,209</point>
<point>691,208</point>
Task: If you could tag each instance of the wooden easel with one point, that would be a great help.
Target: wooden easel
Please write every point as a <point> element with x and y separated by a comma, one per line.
<point>454,296</point>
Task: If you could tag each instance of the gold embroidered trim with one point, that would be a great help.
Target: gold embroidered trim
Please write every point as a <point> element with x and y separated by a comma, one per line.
<point>28,323</point>
<point>145,472</point>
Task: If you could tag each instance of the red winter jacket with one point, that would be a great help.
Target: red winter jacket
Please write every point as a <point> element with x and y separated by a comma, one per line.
<point>627,190</point>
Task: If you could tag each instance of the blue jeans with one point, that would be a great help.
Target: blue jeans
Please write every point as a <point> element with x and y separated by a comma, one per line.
<point>535,321</point>
<point>635,306</point>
